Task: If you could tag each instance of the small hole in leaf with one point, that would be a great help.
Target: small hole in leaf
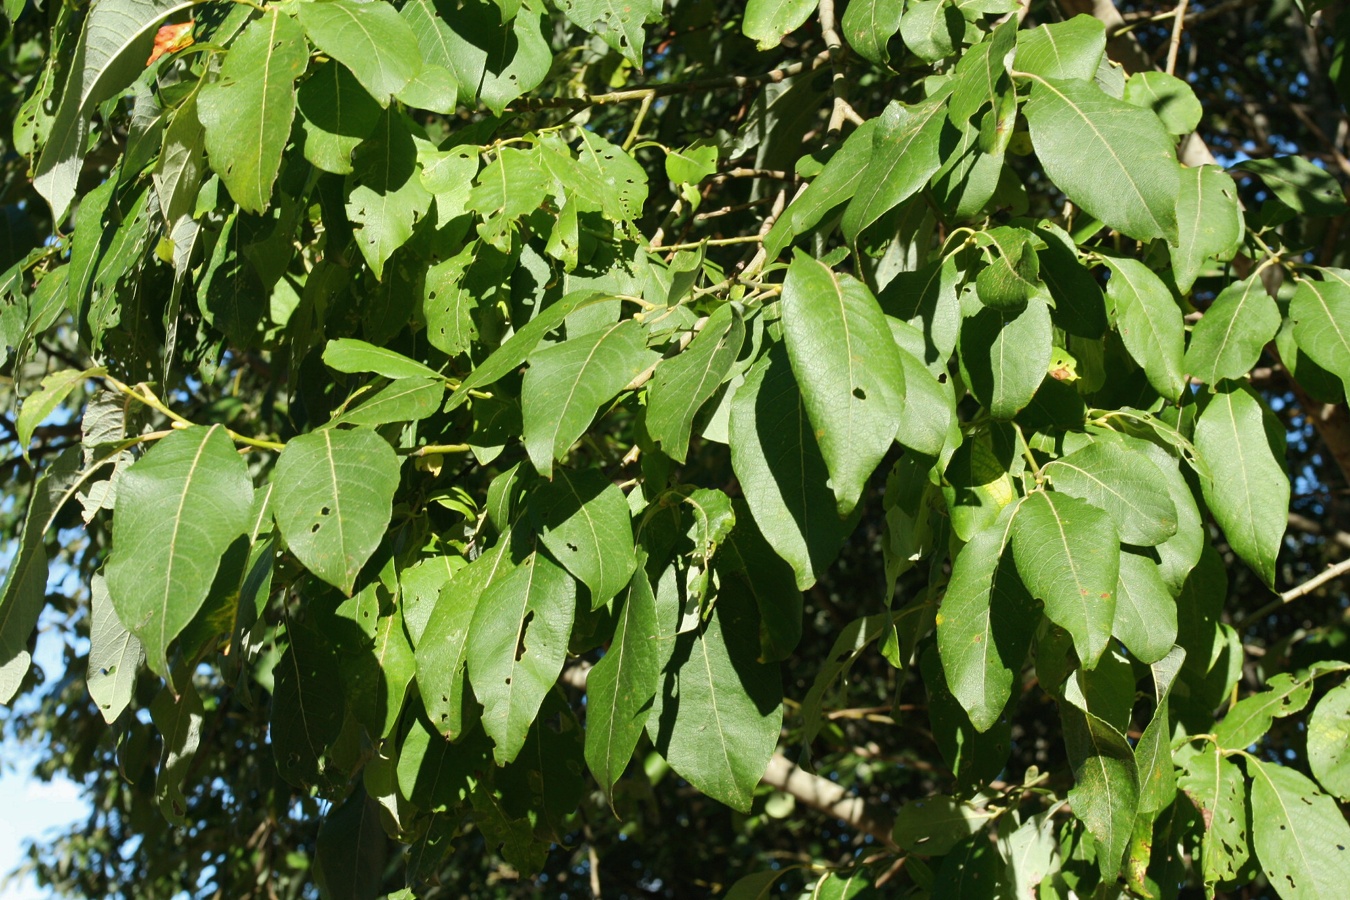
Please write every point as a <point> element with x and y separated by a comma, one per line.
<point>859,393</point>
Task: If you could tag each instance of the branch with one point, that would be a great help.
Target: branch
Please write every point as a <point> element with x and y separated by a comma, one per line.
<point>818,793</point>
<point>1175,45</point>
<point>1316,581</point>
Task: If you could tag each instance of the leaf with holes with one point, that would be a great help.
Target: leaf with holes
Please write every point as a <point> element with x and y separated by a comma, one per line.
<point>386,199</point>
<point>115,654</point>
<point>583,520</point>
<point>1300,836</point>
<point>1216,786</point>
<point>370,39</point>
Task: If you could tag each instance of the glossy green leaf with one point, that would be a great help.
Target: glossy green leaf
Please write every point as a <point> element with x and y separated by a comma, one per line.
<point>782,473</point>
<point>404,400</point>
<point>976,486</point>
<point>111,53</point>
<point>1068,555</point>
<point>566,384</point>
<point>1329,741</point>
<point>351,355</point>
<point>115,654</point>
<point>1114,160</point>
<point>1209,223</point>
<point>583,520</point>
<point>1149,322</point>
<point>178,509</point>
<point>1105,792</point>
<point>1249,492</point>
<point>443,645</point>
<point>333,497</point>
<point>981,74</point>
<point>1229,338</point>
<point>985,625</point>
<point>386,200</point>
<point>683,383</point>
<point>767,22</point>
<point>848,369</point>
<point>338,115</point>
<point>869,25</point>
<point>932,29</point>
<point>370,39</point>
<point>1070,50</point>
<point>1146,614</point>
<point>516,647</point>
<point>903,157</point>
<point>1012,276</point>
<point>620,688</point>
<point>1300,835</point>
<point>835,184</point>
<point>1320,311</point>
<point>1170,99</point>
<point>1216,786</point>
<point>433,88</point>
<point>1005,355</point>
<point>1129,488</point>
<point>500,69</point>
<point>247,110</point>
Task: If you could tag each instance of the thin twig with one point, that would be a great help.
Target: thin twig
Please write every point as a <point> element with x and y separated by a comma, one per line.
<point>1177,25</point>
<point>1316,581</point>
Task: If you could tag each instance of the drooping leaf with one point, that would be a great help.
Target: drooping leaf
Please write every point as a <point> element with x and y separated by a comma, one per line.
<point>349,852</point>
<point>516,647</point>
<point>1128,487</point>
<point>767,22</point>
<point>1146,614</point>
<point>1249,492</point>
<point>1320,311</point>
<point>1114,160</point>
<point>179,720</point>
<point>976,486</point>
<point>496,64</point>
<point>1068,555</point>
<point>1216,786</point>
<point>115,654</point>
<point>620,688</point>
<point>848,370</point>
<point>351,355</point>
<point>1209,223</point>
<point>566,383</point>
<point>1149,322</point>
<point>178,509</point>
<point>40,404</point>
<point>370,39</point>
<point>617,22</point>
<point>583,520</point>
<point>782,473</point>
<point>338,115</point>
<point>1005,355</point>
<point>1301,837</point>
<point>333,496</point>
<point>247,111</point>
<point>1301,185</point>
<point>1153,753</point>
<point>1228,340</point>
<point>386,199</point>
<point>981,74</point>
<point>747,563</point>
<point>835,184</point>
<point>1105,792</point>
<point>685,382</point>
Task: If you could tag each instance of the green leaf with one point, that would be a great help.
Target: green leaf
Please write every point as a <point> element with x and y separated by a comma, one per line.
<point>782,473</point>
<point>932,29</point>
<point>928,424</point>
<point>247,110</point>
<point>566,383</point>
<point>1218,790</point>
<point>349,853</point>
<point>518,641</point>
<point>40,404</point>
<point>338,115</point>
<point>977,487</point>
<point>969,869</point>
<point>178,509</point>
<point>621,686</point>
<point>386,199</point>
<point>111,53</point>
<point>333,497</point>
<point>1300,835</point>
<point>1229,338</point>
<point>1146,614</point>
<point>350,355</point>
<point>1105,793</point>
<point>1320,311</point>
<point>307,707</point>
<point>835,184</point>
<point>179,720</point>
<point>25,586</point>
<point>516,349</point>
<point>623,180</point>
<point>115,655</point>
<point>404,400</point>
<point>974,758</point>
<point>1153,753</point>
<point>1329,741</point>
<point>1114,160</point>
<point>370,39</point>
<point>692,164</point>
<point>934,825</point>
<point>583,520</point>
<point>1209,223</point>
<point>1069,50</point>
<point>434,89</point>
<point>1068,555</point>
<point>747,563</point>
<point>903,157</point>
<point>443,646</point>
<point>1243,444</point>
<point>767,22</point>
<point>1125,484</point>
<point>718,711</point>
<point>848,369</point>
<point>1250,718</point>
<point>1005,355</point>
<point>869,26</point>
<point>981,73</point>
<point>1299,184</point>
<point>500,64</point>
<point>1149,322</point>
<point>617,22</point>
<point>1012,276</point>
<point>1170,99</point>
<point>683,383</point>
<point>985,624</point>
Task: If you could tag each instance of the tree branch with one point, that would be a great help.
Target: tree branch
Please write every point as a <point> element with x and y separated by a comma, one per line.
<point>1316,581</point>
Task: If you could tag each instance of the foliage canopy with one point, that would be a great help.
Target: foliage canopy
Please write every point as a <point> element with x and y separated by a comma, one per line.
<point>479,439</point>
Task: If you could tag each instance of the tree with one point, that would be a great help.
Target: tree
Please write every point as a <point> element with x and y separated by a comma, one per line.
<point>492,448</point>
